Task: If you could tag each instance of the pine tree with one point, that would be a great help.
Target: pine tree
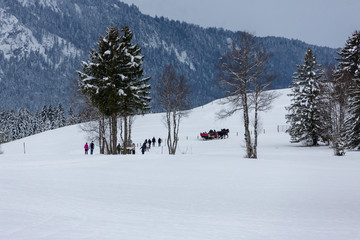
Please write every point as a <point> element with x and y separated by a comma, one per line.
<point>25,123</point>
<point>136,89</point>
<point>39,121</point>
<point>4,127</point>
<point>8,126</point>
<point>305,112</point>
<point>45,123</point>
<point>60,119</point>
<point>72,118</point>
<point>112,80</point>
<point>349,66</point>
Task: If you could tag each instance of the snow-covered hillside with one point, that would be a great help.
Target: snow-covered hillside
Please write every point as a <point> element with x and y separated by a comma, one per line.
<point>207,191</point>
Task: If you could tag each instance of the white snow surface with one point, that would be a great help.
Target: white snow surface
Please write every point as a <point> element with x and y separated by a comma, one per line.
<point>207,191</point>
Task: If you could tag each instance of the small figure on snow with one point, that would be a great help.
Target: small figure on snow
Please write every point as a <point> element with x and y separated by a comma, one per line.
<point>153,141</point>
<point>148,144</point>
<point>143,147</point>
<point>118,148</point>
<point>92,146</point>
<point>133,146</point>
<point>86,147</point>
<point>159,142</point>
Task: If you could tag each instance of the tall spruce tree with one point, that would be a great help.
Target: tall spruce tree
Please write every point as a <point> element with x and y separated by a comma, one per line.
<point>305,112</point>
<point>349,67</point>
<point>136,90</point>
<point>113,80</point>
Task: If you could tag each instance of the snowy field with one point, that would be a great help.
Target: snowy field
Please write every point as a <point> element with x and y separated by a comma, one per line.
<point>207,191</point>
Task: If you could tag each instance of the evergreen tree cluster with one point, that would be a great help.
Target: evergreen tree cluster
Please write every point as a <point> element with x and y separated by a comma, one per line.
<point>23,123</point>
<point>349,68</point>
<point>305,113</point>
<point>326,107</point>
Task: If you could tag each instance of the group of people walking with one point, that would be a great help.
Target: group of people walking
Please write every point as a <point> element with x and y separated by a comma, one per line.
<point>144,147</point>
<point>91,147</point>
<point>147,144</point>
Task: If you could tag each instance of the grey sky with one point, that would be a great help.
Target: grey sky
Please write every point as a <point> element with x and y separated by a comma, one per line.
<point>320,22</point>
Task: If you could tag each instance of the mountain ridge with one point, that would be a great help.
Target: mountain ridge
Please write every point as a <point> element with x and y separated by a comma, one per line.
<point>42,44</point>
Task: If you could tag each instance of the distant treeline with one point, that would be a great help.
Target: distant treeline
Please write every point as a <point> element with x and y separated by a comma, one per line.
<point>23,123</point>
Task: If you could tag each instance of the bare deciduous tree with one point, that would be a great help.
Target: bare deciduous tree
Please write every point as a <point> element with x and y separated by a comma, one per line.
<point>245,79</point>
<point>172,96</point>
<point>335,88</point>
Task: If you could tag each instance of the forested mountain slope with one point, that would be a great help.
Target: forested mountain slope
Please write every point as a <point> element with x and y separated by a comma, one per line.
<point>42,44</point>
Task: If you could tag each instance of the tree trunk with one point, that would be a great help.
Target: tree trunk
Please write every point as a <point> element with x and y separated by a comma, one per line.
<point>169,138</point>
<point>113,134</point>
<point>254,154</point>
<point>249,149</point>
<point>130,127</point>
<point>102,135</point>
<point>126,136</point>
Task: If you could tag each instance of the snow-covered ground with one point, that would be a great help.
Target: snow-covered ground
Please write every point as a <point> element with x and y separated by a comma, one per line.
<point>207,191</point>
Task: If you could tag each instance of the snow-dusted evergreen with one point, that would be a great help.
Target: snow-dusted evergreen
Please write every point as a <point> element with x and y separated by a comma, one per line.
<point>135,90</point>
<point>25,123</point>
<point>72,118</point>
<point>112,79</point>
<point>306,110</point>
<point>349,67</point>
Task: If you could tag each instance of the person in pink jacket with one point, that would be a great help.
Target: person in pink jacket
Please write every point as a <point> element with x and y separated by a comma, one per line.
<point>86,147</point>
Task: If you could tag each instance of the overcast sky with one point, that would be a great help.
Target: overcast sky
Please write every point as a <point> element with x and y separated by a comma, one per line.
<point>321,22</point>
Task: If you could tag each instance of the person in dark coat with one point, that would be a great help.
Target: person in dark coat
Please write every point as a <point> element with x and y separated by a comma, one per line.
<point>118,148</point>
<point>143,147</point>
<point>153,141</point>
<point>92,146</point>
<point>159,142</point>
